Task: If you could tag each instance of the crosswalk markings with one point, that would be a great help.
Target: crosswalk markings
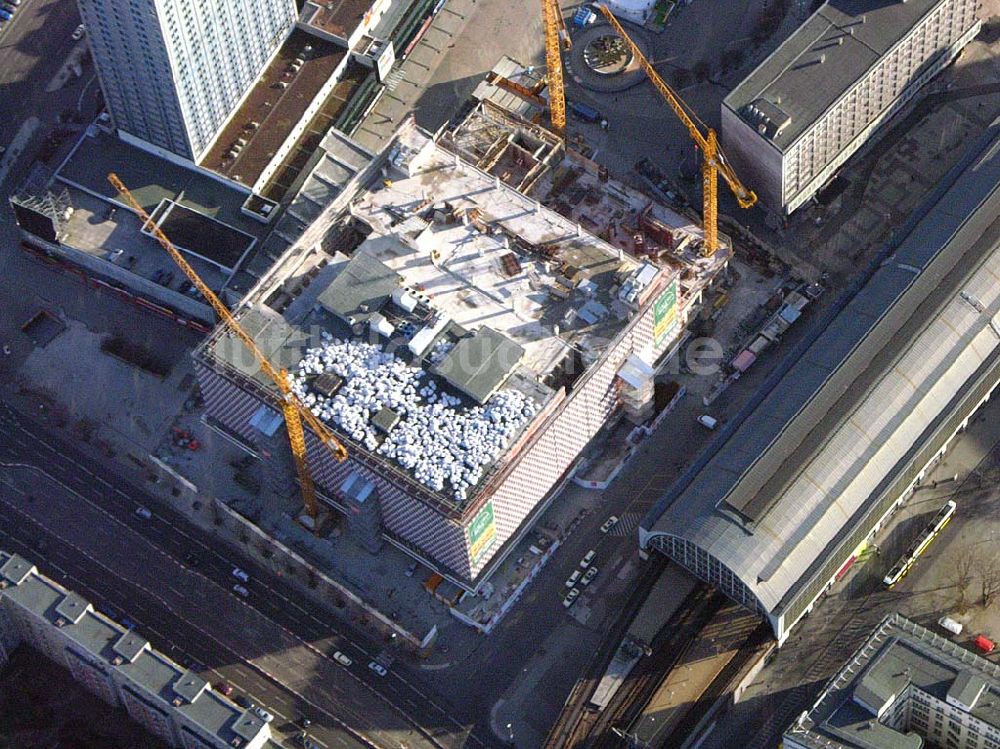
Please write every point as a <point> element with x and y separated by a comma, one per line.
<point>627,525</point>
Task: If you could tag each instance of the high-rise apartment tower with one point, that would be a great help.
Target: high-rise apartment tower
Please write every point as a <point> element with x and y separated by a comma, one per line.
<point>174,71</point>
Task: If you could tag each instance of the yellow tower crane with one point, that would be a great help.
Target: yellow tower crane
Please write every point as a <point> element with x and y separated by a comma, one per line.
<point>292,408</point>
<point>713,161</point>
<point>556,40</point>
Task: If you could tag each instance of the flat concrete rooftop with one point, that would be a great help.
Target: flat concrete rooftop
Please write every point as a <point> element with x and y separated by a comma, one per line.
<point>338,17</point>
<point>900,661</point>
<point>556,292</point>
<point>152,180</point>
<point>119,239</point>
<point>275,110</point>
<point>822,60</point>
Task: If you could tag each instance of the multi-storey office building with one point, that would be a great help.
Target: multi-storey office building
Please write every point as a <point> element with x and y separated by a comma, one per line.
<point>905,688</point>
<point>118,665</point>
<point>791,124</point>
<point>174,71</point>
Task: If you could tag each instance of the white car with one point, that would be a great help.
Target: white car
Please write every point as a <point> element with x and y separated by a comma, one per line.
<point>610,523</point>
<point>263,714</point>
<point>571,580</point>
<point>342,659</point>
<point>241,590</point>
<point>589,576</point>
<point>143,512</point>
<point>587,559</point>
<point>378,668</point>
<point>571,597</point>
<point>241,575</point>
<point>79,32</point>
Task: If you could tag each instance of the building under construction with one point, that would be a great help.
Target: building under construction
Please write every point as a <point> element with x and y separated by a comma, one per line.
<point>456,320</point>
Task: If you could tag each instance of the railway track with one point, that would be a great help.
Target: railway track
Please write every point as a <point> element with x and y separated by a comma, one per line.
<point>582,727</point>
<point>574,709</point>
<point>668,647</point>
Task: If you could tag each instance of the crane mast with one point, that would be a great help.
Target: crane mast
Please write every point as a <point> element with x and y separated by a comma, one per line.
<point>556,39</point>
<point>713,160</point>
<point>292,408</point>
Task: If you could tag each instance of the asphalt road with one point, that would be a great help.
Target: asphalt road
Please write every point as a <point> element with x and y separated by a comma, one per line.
<point>175,582</point>
<point>33,46</point>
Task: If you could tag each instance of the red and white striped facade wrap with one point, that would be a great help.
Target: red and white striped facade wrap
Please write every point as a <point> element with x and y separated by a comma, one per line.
<point>525,475</point>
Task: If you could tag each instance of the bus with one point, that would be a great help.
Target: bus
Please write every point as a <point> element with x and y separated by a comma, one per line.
<point>900,568</point>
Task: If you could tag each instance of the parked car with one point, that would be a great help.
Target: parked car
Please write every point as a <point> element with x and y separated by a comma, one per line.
<point>984,644</point>
<point>8,7</point>
<point>571,597</point>
<point>610,523</point>
<point>223,687</point>
<point>263,714</point>
<point>241,575</point>
<point>342,659</point>
<point>241,590</point>
<point>587,559</point>
<point>79,32</point>
<point>571,580</point>
<point>244,701</point>
<point>143,512</point>
<point>589,576</point>
<point>127,623</point>
<point>946,622</point>
<point>709,422</point>
<point>378,668</point>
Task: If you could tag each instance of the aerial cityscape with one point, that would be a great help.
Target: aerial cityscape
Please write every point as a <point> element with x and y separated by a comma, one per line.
<point>467,374</point>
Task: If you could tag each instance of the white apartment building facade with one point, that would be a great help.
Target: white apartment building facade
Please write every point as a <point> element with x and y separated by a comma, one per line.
<point>791,124</point>
<point>117,664</point>
<point>905,688</point>
<point>174,71</point>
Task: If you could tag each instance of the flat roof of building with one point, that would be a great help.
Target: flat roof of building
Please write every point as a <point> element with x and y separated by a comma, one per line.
<point>152,179</point>
<point>500,293</point>
<point>801,466</point>
<point>104,642</point>
<point>821,61</point>
<point>338,17</point>
<point>269,112</point>
<point>899,660</point>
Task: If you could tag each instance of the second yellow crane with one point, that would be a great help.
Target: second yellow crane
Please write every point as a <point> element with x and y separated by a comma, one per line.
<point>713,161</point>
<point>292,408</point>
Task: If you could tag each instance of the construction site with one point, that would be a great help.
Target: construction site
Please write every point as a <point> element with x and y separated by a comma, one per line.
<point>463,339</point>
<point>417,348</point>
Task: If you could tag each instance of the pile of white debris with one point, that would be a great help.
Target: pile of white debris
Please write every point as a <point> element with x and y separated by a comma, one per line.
<point>434,439</point>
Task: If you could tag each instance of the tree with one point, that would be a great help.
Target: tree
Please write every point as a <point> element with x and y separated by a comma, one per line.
<point>988,567</point>
<point>965,565</point>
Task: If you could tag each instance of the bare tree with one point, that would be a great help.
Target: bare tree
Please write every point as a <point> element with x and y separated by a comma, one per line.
<point>988,567</point>
<point>965,565</point>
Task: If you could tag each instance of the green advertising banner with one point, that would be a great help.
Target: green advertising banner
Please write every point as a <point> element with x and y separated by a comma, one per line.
<point>482,532</point>
<point>665,314</point>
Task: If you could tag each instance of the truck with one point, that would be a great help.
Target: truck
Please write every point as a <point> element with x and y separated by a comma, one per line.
<point>584,112</point>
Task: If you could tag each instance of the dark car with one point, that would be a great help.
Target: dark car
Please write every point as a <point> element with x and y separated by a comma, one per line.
<point>244,701</point>
<point>192,560</point>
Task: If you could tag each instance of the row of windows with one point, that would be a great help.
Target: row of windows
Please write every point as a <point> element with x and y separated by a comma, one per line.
<point>880,90</point>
